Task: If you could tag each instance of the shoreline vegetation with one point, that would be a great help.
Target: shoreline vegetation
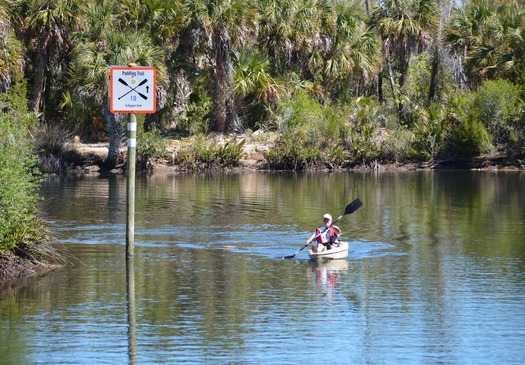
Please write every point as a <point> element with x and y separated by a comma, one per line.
<point>89,158</point>
<point>286,85</point>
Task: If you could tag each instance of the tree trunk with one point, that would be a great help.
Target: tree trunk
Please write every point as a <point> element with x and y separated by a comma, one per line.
<point>40,76</point>
<point>182,92</point>
<point>447,6</point>
<point>226,115</point>
<point>116,132</point>
<point>404,60</point>
<point>380,85</point>
<point>232,115</point>
<point>395,91</point>
<point>391,77</point>
<point>434,74</point>
<point>220,47</point>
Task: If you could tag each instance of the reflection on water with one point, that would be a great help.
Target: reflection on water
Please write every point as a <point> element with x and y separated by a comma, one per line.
<point>132,322</point>
<point>435,272</point>
<point>326,275</point>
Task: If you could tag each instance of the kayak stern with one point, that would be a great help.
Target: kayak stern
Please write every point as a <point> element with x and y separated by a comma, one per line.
<point>336,252</point>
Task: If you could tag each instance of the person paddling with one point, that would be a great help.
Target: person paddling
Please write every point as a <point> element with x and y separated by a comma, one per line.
<point>325,235</point>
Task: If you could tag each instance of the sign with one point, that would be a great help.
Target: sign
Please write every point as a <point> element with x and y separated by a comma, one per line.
<point>132,89</point>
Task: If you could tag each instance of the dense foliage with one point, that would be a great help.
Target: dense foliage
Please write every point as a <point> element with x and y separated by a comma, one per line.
<point>20,227</point>
<point>343,82</point>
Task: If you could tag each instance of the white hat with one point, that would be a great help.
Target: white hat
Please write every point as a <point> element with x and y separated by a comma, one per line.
<point>328,216</point>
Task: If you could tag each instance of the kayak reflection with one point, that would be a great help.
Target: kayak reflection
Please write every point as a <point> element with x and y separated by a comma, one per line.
<point>325,275</point>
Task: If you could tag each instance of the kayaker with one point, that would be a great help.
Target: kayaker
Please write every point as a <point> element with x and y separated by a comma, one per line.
<point>326,235</point>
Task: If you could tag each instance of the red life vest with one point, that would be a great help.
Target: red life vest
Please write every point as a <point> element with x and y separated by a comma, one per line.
<point>321,237</point>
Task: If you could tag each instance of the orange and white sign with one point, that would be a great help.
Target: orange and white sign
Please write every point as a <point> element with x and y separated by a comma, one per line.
<point>132,89</point>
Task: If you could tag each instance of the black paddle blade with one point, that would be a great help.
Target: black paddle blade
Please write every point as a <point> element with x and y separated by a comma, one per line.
<point>353,206</point>
<point>296,252</point>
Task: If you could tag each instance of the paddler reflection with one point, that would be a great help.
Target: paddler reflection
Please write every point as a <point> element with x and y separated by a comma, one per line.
<point>325,274</point>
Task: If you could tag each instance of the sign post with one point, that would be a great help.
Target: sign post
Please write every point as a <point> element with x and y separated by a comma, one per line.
<point>132,90</point>
<point>130,185</point>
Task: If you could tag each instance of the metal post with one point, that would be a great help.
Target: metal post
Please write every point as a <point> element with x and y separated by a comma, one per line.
<point>130,203</point>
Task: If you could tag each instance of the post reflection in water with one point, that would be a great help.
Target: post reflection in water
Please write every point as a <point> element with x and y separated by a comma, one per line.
<point>132,329</point>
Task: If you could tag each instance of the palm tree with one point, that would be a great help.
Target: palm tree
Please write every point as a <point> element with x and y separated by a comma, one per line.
<point>223,25</point>
<point>163,20</point>
<point>352,55</point>
<point>257,90</point>
<point>11,51</point>
<point>289,30</point>
<point>104,45</point>
<point>488,37</point>
<point>438,51</point>
<point>405,26</point>
<point>48,25</point>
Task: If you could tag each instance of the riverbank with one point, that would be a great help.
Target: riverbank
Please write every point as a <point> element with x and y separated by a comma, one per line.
<point>92,156</point>
<point>13,267</point>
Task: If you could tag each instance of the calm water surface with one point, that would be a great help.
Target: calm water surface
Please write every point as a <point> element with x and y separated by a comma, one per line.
<point>435,275</point>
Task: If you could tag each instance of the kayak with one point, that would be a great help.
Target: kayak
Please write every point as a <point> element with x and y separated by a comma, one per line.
<point>339,251</point>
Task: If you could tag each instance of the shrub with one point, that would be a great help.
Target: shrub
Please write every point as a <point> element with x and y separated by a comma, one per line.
<point>469,138</point>
<point>498,105</point>
<point>205,156</point>
<point>54,148</point>
<point>293,151</point>
<point>430,132</point>
<point>229,153</point>
<point>150,145</point>
<point>361,133</point>
<point>20,228</point>
<point>54,140</point>
<point>398,145</point>
<point>310,136</point>
<point>300,112</point>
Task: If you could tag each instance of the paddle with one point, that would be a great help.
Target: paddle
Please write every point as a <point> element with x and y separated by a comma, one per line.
<point>350,208</point>
<point>134,88</point>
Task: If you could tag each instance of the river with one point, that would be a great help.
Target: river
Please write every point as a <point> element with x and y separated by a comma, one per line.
<point>435,273</point>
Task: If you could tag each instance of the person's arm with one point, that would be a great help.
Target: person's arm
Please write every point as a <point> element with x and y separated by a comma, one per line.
<point>337,231</point>
<point>309,240</point>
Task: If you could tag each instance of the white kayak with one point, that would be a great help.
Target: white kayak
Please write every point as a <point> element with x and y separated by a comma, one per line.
<point>339,251</point>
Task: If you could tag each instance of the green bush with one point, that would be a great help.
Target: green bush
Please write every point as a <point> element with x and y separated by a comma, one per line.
<point>361,133</point>
<point>398,145</point>
<point>464,135</point>
<point>53,140</point>
<point>497,104</point>
<point>198,116</point>
<point>229,154</point>
<point>469,138</point>
<point>311,136</point>
<point>430,131</point>
<point>150,145</point>
<point>293,151</point>
<point>300,112</point>
<point>206,156</point>
<point>20,229</point>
